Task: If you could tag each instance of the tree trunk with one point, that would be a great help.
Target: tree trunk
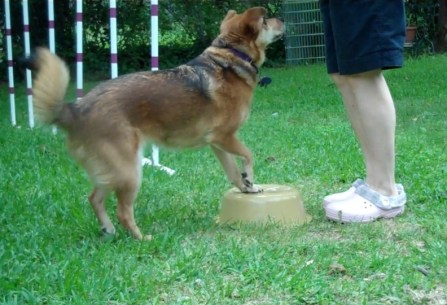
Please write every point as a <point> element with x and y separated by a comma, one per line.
<point>441,36</point>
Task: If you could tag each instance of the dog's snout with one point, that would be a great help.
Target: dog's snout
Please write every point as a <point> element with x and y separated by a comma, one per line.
<point>280,25</point>
<point>277,23</point>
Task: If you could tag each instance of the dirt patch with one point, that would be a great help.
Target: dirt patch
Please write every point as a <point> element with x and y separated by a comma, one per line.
<point>436,296</point>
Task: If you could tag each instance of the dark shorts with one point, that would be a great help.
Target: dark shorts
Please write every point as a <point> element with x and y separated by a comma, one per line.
<point>363,35</point>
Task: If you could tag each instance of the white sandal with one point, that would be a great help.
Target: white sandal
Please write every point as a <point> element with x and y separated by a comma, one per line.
<point>342,195</point>
<point>366,205</point>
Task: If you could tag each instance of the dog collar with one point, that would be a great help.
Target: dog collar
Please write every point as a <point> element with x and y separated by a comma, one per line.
<point>245,57</point>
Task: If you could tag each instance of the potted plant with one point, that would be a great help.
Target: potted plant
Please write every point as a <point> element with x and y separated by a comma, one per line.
<point>414,17</point>
<point>410,34</point>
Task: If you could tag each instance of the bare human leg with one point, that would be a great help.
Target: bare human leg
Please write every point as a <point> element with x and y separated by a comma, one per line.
<point>371,110</point>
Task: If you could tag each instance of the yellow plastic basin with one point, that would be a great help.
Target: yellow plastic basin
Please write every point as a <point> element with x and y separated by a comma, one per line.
<point>277,203</point>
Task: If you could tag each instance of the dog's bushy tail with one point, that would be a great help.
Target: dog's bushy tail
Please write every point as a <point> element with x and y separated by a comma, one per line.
<point>49,86</point>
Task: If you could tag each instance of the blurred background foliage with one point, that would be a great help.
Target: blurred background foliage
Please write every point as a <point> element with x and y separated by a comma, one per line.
<point>186,28</point>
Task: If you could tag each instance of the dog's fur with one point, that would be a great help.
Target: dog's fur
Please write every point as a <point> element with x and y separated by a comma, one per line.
<point>202,102</point>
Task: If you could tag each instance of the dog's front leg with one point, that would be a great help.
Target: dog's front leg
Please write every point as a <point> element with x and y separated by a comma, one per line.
<point>224,151</point>
<point>229,166</point>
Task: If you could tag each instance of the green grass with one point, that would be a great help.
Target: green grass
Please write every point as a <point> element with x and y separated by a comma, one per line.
<point>51,251</point>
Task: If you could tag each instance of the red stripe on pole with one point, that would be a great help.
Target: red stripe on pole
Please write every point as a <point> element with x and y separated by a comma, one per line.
<point>154,62</point>
<point>113,12</point>
<point>154,10</point>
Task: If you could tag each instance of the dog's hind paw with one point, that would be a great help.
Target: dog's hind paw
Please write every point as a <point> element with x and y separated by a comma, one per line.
<point>108,231</point>
<point>142,237</point>
<point>148,237</point>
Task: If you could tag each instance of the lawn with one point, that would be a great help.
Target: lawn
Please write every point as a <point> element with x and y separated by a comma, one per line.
<point>51,251</point>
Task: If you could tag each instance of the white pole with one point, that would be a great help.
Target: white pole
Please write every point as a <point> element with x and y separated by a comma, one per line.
<point>154,67</point>
<point>79,51</point>
<point>51,35</point>
<point>154,35</point>
<point>12,103</point>
<point>29,85</point>
<point>113,40</point>
<point>154,61</point>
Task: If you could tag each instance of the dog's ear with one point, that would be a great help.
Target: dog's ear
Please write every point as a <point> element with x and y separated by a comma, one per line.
<point>230,14</point>
<point>255,13</point>
<point>252,20</point>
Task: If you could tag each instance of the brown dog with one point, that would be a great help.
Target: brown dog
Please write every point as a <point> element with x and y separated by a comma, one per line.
<point>202,102</point>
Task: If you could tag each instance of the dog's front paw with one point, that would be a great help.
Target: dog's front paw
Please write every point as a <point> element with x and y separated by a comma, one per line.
<point>248,186</point>
<point>254,188</point>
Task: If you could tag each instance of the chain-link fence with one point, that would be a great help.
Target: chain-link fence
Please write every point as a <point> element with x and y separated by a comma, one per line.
<point>304,32</point>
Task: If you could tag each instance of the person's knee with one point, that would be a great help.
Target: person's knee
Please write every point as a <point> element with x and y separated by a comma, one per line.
<point>339,80</point>
<point>356,80</point>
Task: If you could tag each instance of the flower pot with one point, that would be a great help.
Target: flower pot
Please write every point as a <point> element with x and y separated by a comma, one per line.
<point>410,34</point>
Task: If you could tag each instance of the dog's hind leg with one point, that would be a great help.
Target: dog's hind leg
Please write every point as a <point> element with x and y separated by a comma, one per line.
<point>222,148</point>
<point>97,199</point>
<point>129,177</point>
<point>126,194</point>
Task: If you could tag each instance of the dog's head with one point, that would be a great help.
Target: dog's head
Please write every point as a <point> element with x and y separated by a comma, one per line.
<point>251,31</point>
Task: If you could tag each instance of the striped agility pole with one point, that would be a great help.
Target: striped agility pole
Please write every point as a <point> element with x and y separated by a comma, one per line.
<point>29,91</point>
<point>79,51</point>
<point>113,40</point>
<point>51,35</point>
<point>154,61</point>
<point>79,56</point>
<point>154,35</point>
<point>154,67</point>
<point>11,89</point>
<point>51,28</point>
